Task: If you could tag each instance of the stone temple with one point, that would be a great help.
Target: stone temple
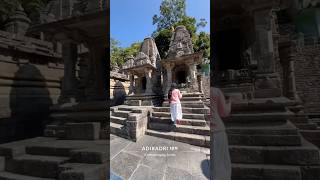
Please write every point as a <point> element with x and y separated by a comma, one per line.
<point>150,80</point>
<point>54,92</point>
<point>266,58</point>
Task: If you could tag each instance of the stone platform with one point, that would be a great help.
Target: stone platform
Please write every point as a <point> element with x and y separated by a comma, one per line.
<point>44,158</point>
<point>131,162</point>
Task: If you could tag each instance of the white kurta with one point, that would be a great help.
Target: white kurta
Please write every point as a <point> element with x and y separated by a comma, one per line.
<point>176,112</point>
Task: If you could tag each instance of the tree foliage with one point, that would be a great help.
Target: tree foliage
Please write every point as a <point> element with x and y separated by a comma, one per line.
<point>171,12</point>
<point>202,43</point>
<point>118,55</point>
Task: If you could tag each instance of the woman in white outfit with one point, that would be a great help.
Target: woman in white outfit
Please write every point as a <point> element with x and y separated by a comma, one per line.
<point>174,96</point>
<point>220,157</point>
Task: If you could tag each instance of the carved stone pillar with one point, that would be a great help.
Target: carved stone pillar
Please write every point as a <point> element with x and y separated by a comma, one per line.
<point>132,84</point>
<point>267,82</point>
<point>97,83</point>
<point>148,74</point>
<point>168,68</point>
<point>69,82</point>
<point>193,77</point>
<point>292,82</point>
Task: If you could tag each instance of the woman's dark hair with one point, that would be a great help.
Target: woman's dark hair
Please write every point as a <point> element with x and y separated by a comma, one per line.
<point>173,86</point>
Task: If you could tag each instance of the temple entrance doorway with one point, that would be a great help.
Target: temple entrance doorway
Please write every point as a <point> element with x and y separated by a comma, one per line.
<point>227,49</point>
<point>180,75</point>
<point>144,84</point>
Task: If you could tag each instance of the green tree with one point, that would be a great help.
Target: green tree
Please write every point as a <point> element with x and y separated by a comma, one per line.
<point>163,40</point>
<point>119,55</point>
<point>115,53</point>
<point>171,12</point>
<point>202,43</point>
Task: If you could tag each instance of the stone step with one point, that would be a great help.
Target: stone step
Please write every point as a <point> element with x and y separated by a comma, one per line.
<point>197,140</point>
<point>184,115</point>
<point>116,128</point>
<point>191,122</point>
<point>313,136</point>
<point>117,120</point>
<point>317,121</point>
<point>192,94</point>
<point>13,176</point>
<point>184,110</point>
<point>258,118</point>
<point>73,171</point>
<point>49,150</point>
<point>85,116</point>
<point>127,109</point>
<point>191,104</point>
<point>199,130</point>
<point>306,126</point>
<point>311,133</point>
<point>295,155</point>
<point>299,119</point>
<point>82,131</point>
<point>17,148</point>
<point>264,140</point>
<point>285,129</point>
<point>123,114</point>
<point>265,172</point>
<point>35,165</point>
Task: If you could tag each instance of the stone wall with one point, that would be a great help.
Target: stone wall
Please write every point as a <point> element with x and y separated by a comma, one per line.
<point>119,88</point>
<point>307,72</point>
<point>30,73</point>
<point>206,86</point>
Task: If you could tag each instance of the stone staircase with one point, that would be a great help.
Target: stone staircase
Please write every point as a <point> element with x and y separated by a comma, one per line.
<point>74,147</point>
<point>129,121</point>
<point>265,145</point>
<point>45,158</point>
<point>193,128</point>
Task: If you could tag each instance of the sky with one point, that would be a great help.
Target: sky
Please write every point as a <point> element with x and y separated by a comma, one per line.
<point>131,20</point>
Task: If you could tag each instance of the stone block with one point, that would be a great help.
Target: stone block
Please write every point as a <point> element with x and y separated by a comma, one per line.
<point>2,163</point>
<point>91,156</point>
<point>78,171</point>
<point>40,166</point>
<point>82,131</point>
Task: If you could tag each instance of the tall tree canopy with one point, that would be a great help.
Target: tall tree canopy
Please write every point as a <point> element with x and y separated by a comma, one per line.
<point>171,12</point>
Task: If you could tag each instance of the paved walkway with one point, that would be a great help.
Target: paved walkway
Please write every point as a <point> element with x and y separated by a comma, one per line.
<point>169,160</point>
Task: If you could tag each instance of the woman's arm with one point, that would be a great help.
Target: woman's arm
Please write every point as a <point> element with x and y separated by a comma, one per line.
<point>180,94</point>
<point>224,107</point>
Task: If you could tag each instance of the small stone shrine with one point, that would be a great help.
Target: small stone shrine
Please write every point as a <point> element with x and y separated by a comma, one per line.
<point>181,63</point>
<point>145,75</point>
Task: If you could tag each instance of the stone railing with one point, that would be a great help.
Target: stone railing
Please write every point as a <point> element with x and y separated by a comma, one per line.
<point>26,44</point>
<point>231,75</point>
<point>306,40</point>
